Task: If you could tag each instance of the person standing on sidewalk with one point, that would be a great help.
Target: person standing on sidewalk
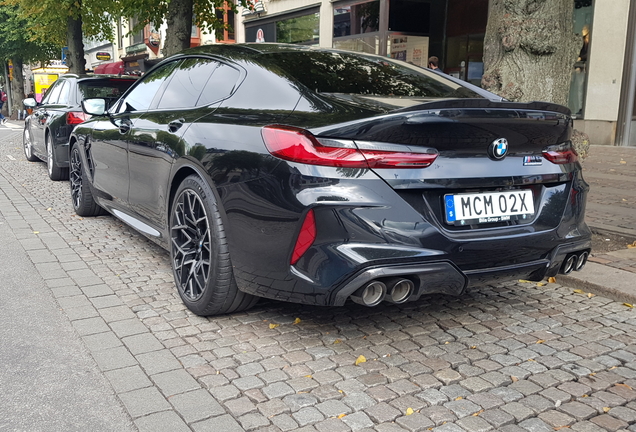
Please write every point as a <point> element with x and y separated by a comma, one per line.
<point>3,99</point>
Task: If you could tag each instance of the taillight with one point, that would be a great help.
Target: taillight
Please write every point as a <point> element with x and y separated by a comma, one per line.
<point>299,145</point>
<point>76,117</point>
<point>306,237</point>
<point>561,154</point>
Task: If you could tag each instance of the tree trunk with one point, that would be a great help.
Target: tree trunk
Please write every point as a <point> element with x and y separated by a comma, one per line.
<point>179,29</point>
<point>75,56</point>
<point>530,49</point>
<point>17,87</point>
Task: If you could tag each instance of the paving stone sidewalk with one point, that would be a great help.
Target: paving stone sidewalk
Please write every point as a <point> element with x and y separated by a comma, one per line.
<point>611,208</point>
<point>508,357</point>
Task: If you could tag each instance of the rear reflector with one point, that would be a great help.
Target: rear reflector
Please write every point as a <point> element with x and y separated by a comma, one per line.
<point>299,145</point>
<point>561,154</point>
<point>76,117</point>
<point>306,237</point>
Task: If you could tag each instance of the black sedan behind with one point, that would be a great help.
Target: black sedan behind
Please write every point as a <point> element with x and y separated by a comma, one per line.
<point>317,176</point>
<point>47,129</point>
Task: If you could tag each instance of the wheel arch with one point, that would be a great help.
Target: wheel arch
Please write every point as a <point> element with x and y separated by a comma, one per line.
<point>186,169</point>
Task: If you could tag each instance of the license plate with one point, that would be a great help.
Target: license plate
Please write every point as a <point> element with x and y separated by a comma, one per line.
<point>488,207</point>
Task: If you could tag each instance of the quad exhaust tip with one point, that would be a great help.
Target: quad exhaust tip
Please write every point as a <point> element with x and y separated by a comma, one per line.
<point>371,294</point>
<point>581,261</point>
<point>399,289</point>
<point>394,290</point>
<point>575,261</point>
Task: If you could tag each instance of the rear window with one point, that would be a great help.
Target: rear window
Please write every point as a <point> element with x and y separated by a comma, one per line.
<point>359,74</point>
<point>104,88</point>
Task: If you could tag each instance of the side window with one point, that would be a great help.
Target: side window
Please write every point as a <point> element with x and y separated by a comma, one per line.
<point>141,96</point>
<point>64,94</point>
<point>53,93</point>
<point>220,86</point>
<point>187,83</point>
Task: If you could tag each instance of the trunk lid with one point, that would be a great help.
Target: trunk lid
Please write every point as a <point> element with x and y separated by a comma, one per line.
<point>465,134</point>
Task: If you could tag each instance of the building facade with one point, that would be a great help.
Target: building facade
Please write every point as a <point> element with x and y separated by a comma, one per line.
<point>453,30</point>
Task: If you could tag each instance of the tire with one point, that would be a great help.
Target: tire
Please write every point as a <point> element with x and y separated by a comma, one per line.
<point>55,172</point>
<point>83,202</point>
<point>199,253</point>
<point>27,145</point>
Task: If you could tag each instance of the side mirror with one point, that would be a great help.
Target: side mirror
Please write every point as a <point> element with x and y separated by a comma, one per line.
<point>29,103</point>
<point>94,107</point>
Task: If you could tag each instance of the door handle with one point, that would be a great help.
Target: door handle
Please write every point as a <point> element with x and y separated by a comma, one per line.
<point>175,125</point>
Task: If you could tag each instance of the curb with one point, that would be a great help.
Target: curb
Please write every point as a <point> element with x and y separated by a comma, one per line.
<point>610,282</point>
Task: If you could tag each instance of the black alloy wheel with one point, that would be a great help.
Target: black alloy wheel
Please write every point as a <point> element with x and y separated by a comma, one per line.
<point>199,253</point>
<point>27,144</point>
<point>55,172</point>
<point>81,195</point>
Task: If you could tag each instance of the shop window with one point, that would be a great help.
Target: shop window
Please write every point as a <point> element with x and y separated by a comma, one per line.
<point>227,16</point>
<point>356,19</point>
<point>137,36</point>
<point>302,29</point>
<point>411,16</point>
<point>465,30</point>
<point>583,11</point>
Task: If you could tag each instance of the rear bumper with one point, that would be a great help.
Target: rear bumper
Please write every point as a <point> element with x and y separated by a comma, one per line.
<point>367,231</point>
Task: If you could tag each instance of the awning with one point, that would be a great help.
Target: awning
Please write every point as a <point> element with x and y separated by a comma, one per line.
<point>115,68</point>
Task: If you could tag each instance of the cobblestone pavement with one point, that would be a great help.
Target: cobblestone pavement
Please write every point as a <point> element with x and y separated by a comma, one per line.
<point>510,357</point>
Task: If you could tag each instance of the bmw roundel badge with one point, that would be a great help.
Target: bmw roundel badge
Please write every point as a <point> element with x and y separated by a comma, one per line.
<point>498,149</point>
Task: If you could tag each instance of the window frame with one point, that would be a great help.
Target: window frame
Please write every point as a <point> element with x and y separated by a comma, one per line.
<point>226,38</point>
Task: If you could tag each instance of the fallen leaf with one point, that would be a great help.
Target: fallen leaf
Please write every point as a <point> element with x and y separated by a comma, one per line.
<point>623,162</point>
<point>585,395</point>
<point>561,427</point>
<point>49,209</point>
<point>273,326</point>
<point>613,367</point>
<point>477,413</point>
<point>409,411</point>
<point>551,280</point>
<point>531,360</point>
<point>308,376</point>
<point>340,391</point>
<point>578,291</point>
<point>459,398</point>
<point>36,232</point>
<point>590,295</point>
<point>540,284</point>
<point>446,343</point>
<point>297,321</point>
<point>218,372</point>
<point>341,415</point>
<point>629,305</point>
<point>361,359</point>
<point>524,281</point>
<point>337,341</point>
<point>473,347</point>
<point>593,373</point>
<point>606,409</point>
<point>540,341</point>
<point>514,378</point>
<point>624,385</point>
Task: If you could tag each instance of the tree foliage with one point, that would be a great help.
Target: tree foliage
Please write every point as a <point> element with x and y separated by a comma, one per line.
<point>16,40</point>
<point>66,23</point>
